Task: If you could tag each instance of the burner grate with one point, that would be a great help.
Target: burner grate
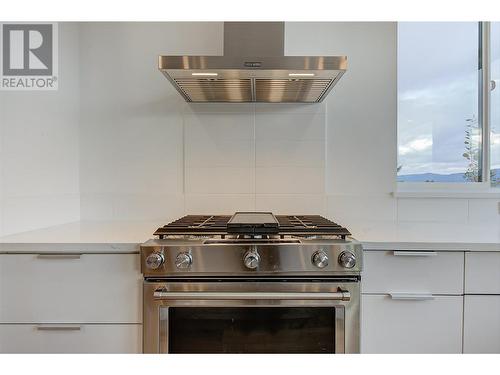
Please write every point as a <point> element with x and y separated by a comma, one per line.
<point>217,225</point>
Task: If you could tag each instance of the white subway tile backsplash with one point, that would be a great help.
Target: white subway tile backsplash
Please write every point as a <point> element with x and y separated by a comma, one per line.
<point>220,108</point>
<point>219,152</point>
<point>113,206</point>
<point>484,211</point>
<point>290,180</point>
<point>287,126</point>
<point>148,207</point>
<point>96,206</point>
<point>219,180</point>
<point>292,108</point>
<point>219,204</point>
<point>285,204</point>
<point>28,213</point>
<point>272,153</point>
<point>432,209</point>
<point>132,155</point>
<point>367,208</point>
<point>210,127</point>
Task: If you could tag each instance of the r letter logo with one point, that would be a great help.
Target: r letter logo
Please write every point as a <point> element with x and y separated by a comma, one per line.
<point>29,56</point>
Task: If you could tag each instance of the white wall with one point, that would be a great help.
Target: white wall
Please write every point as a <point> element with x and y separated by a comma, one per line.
<point>146,154</point>
<point>361,133</point>
<point>131,133</point>
<point>334,158</point>
<point>141,153</point>
<point>39,177</point>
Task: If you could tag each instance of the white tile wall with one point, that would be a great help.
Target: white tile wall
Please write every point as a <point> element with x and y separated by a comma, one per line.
<point>215,140</point>
<point>352,208</point>
<point>254,156</point>
<point>219,203</point>
<point>290,180</point>
<point>115,206</point>
<point>283,204</point>
<point>141,152</point>
<point>39,147</point>
<point>484,211</point>
<point>28,213</point>
<point>432,209</point>
<point>220,180</point>
<point>131,155</point>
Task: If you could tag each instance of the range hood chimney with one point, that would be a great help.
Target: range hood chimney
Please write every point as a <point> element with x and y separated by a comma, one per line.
<point>253,69</point>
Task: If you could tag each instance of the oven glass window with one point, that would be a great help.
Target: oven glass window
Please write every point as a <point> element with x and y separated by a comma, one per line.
<point>251,330</point>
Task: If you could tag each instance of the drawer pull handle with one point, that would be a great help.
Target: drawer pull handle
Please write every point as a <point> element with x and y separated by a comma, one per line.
<point>415,253</point>
<point>59,256</point>
<point>411,296</point>
<point>58,328</point>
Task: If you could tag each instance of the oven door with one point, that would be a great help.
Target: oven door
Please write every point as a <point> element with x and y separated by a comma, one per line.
<point>251,317</point>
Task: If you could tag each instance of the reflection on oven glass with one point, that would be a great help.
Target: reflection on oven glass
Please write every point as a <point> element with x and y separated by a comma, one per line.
<point>251,330</point>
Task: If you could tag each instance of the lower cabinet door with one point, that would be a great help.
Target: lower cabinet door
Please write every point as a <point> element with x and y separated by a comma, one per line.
<point>70,338</point>
<point>411,324</point>
<point>482,324</point>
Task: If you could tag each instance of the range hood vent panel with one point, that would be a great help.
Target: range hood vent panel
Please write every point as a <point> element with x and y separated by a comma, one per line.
<point>253,69</point>
<point>215,90</point>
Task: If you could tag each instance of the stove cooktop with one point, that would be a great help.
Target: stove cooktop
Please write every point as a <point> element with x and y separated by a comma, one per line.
<point>252,224</point>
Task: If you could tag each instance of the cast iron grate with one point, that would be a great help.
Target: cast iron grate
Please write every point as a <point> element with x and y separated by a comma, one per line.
<point>288,225</point>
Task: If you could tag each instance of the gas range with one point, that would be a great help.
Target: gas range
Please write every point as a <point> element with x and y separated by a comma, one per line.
<point>252,282</point>
<point>251,244</point>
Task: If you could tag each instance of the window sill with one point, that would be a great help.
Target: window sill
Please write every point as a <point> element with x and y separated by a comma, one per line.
<point>445,190</point>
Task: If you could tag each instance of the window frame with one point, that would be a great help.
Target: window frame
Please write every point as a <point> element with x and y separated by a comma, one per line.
<point>483,188</point>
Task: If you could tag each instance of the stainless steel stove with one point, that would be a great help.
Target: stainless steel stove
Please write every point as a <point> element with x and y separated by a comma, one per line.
<point>251,283</point>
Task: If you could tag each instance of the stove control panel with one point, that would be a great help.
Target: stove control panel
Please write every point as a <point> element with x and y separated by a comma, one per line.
<point>228,257</point>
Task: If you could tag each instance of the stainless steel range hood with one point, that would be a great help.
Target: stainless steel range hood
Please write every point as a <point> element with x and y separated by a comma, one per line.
<point>253,69</point>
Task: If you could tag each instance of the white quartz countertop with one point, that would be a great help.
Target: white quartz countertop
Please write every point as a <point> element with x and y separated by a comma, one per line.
<point>126,236</point>
<point>427,236</point>
<point>84,237</point>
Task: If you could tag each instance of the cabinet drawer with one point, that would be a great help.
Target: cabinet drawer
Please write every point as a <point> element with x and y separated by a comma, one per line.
<point>482,273</point>
<point>413,271</point>
<point>91,288</point>
<point>482,324</point>
<point>411,326</point>
<point>53,338</point>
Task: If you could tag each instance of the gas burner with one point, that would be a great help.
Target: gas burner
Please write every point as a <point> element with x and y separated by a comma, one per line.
<point>253,225</point>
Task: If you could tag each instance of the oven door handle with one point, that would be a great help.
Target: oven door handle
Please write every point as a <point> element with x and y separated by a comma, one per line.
<point>341,295</point>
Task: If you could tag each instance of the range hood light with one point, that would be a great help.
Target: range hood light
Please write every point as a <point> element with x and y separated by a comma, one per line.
<point>301,74</point>
<point>205,74</point>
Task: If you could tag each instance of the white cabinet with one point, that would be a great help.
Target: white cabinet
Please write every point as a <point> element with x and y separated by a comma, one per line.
<point>412,302</point>
<point>411,326</point>
<point>482,324</point>
<point>482,302</point>
<point>62,288</point>
<point>87,338</point>
<point>482,273</point>
<point>431,272</point>
<point>70,303</point>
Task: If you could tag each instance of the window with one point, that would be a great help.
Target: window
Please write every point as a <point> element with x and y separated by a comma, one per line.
<point>440,106</point>
<point>495,105</point>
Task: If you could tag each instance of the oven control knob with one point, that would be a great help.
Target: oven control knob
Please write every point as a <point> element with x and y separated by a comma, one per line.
<point>320,259</point>
<point>251,260</point>
<point>154,261</point>
<point>347,259</point>
<point>183,260</point>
